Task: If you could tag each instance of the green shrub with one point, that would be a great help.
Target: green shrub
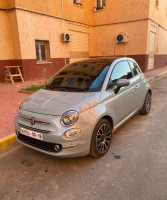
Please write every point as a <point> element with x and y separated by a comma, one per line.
<point>34,88</point>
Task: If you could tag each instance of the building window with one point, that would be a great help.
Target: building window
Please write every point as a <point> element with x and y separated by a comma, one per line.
<point>157,3</point>
<point>78,2</point>
<point>42,51</point>
<point>100,4</point>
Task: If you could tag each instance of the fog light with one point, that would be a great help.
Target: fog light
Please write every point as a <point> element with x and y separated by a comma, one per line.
<point>70,146</point>
<point>72,134</point>
<point>57,148</point>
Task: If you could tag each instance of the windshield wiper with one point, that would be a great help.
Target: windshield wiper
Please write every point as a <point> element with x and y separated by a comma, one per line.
<point>65,88</point>
<point>48,86</point>
<point>57,87</point>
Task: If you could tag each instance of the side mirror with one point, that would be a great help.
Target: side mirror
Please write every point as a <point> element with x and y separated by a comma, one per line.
<point>121,83</point>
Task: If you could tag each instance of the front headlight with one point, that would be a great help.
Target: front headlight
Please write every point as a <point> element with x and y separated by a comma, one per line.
<point>19,108</point>
<point>69,118</point>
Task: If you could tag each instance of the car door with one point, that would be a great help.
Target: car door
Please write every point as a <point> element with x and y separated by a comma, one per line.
<point>139,84</point>
<point>125,100</point>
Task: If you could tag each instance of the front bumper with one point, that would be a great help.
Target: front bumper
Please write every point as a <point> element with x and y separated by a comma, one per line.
<point>52,132</point>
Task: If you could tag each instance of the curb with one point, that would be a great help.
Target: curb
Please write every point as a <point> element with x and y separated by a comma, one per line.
<point>6,141</point>
<point>25,92</point>
<point>157,76</point>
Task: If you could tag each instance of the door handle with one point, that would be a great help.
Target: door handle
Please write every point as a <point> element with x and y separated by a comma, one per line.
<point>137,86</point>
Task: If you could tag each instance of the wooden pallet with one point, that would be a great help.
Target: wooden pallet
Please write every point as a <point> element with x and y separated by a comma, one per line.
<point>11,77</point>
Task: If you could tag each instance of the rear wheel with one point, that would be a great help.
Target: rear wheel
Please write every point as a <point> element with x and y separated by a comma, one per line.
<point>101,138</point>
<point>147,105</point>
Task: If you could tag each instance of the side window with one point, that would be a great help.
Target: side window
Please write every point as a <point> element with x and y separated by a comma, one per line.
<point>100,4</point>
<point>156,3</point>
<point>134,67</point>
<point>42,51</point>
<point>120,71</point>
<point>78,2</point>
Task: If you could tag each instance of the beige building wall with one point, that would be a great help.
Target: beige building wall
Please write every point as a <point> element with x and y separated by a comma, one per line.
<point>6,40</point>
<point>3,4</point>
<point>158,16</point>
<point>33,27</point>
<point>162,41</point>
<point>48,27</point>
<point>69,11</point>
<point>9,41</point>
<point>27,20</point>
<point>126,16</point>
<point>41,20</point>
<point>15,34</point>
<point>9,36</point>
<point>122,10</point>
<point>105,41</point>
<point>160,50</point>
<point>7,4</point>
<point>161,38</point>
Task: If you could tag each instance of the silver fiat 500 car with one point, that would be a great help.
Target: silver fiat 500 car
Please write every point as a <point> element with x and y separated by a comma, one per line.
<point>82,105</point>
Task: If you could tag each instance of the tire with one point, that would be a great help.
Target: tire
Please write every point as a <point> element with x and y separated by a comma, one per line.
<point>101,138</point>
<point>147,104</point>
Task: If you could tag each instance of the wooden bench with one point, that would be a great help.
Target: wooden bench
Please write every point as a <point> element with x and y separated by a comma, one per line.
<point>14,75</point>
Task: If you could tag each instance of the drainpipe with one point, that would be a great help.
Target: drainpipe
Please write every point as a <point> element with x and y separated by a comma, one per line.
<point>62,11</point>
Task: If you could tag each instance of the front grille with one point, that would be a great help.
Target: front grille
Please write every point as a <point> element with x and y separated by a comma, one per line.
<point>37,122</point>
<point>46,146</point>
<point>33,129</point>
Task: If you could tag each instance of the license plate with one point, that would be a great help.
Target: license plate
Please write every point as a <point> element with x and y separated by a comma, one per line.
<point>32,134</point>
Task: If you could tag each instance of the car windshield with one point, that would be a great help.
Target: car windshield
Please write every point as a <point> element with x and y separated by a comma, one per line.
<point>80,77</point>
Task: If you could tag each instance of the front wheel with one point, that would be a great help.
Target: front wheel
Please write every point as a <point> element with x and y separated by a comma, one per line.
<point>147,105</point>
<point>101,138</point>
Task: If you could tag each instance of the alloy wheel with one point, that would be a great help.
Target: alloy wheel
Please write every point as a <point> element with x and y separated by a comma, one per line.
<point>148,102</point>
<point>103,138</point>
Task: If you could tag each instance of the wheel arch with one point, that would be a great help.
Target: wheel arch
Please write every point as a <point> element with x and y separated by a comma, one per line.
<point>109,118</point>
<point>150,91</point>
<point>92,151</point>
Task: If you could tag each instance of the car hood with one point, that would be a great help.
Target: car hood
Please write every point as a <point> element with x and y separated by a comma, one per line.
<point>57,102</point>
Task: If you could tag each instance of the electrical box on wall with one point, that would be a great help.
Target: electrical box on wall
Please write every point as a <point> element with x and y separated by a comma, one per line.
<point>66,37</point>
<point>122,38</point>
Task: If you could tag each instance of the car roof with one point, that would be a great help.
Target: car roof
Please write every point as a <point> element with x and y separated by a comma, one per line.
<point>101,59</point>
<point>108,60</point>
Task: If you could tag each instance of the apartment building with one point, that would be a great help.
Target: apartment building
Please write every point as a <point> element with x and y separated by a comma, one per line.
<point>43,36</point>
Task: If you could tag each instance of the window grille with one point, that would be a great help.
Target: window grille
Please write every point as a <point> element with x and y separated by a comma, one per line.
<point>42,51</point>
<point>100,4</point>
<point>78,2</point>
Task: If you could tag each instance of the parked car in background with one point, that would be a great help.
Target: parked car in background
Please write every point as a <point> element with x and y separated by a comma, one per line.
<point>82,105</point>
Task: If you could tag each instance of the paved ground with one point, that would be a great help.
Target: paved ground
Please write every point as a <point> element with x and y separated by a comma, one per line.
<point>154,73</point>
<point>133,169</point>
<point>10,99</point>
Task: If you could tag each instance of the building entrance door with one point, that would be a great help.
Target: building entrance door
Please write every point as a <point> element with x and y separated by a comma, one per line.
<point>152,48</point>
